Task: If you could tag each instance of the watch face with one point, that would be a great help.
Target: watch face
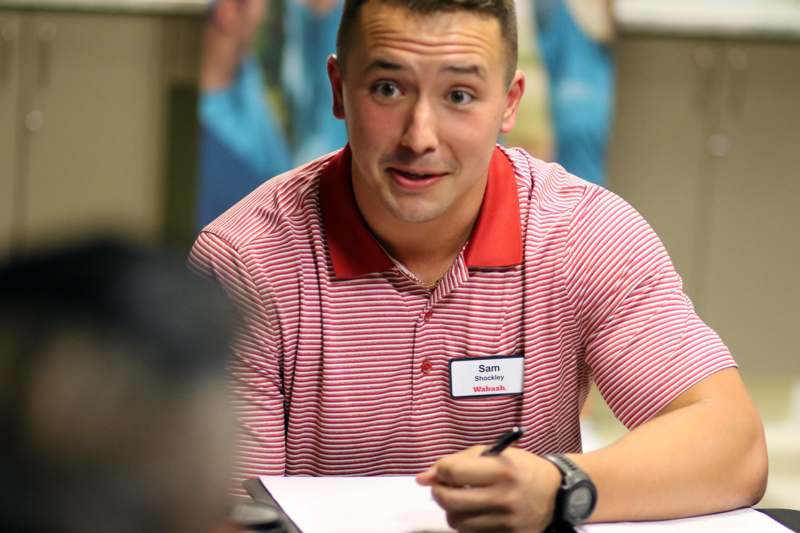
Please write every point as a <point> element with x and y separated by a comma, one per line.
<point>580,503</point>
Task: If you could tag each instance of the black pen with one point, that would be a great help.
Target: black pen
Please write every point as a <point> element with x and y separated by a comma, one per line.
<point>504,441</point>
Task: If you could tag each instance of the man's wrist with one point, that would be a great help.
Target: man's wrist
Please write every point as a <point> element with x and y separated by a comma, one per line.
<point>553,487</point>
<point>576,496</point>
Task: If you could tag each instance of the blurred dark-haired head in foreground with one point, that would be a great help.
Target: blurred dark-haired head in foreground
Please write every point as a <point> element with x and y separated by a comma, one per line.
<point>113,411</point>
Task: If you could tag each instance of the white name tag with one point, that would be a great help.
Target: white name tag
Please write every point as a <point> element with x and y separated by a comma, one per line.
<point>486,376</point>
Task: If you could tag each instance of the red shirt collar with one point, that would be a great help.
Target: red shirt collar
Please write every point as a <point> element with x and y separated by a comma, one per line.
<point>496,239</point>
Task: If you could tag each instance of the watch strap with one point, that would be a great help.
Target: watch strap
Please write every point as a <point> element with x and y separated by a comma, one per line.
<point>571,477</point>
<point>566,466</point>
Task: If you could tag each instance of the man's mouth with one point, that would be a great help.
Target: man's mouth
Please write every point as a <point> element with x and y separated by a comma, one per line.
<point>414,179</point>
<point>417,176</point>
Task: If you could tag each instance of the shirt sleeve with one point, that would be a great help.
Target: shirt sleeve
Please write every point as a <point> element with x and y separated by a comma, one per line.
<point>642,338</point>
<point>241,119</point>
<point>255,372</point>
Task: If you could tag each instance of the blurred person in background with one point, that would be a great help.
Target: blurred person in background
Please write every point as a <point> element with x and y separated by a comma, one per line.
<point>113,408</point>
<point>533,129</point>
<point>241,141</point>
<point>573,38</point>
<point>310,30</point>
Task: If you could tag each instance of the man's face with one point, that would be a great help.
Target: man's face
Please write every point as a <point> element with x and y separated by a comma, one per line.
<point>424,98</point>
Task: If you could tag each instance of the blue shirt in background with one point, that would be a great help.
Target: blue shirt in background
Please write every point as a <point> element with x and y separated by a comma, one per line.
<point>241,144</point>
<point>581,84</point>
<point>310,39</point>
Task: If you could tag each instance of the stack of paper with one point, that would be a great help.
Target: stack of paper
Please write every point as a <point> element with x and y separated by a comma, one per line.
<point>399,505</point>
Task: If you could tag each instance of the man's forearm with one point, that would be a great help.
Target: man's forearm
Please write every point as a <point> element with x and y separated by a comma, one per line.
<point>704,453</point>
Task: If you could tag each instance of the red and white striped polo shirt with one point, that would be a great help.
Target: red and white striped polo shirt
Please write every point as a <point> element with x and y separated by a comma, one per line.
<point>342,366</point>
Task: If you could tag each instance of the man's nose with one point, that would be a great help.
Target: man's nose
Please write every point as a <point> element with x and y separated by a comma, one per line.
<point>420,133</point>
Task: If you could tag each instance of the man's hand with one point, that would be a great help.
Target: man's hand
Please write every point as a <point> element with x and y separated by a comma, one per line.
<point>514,491</point>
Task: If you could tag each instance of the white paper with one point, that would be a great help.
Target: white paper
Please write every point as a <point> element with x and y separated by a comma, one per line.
<point>389,504</point>
<point>739,521</point>
<point>396,504</point>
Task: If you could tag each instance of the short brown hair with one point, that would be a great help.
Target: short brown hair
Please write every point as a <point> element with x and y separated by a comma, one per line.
<point>502,10</point>
<point>112,364</point>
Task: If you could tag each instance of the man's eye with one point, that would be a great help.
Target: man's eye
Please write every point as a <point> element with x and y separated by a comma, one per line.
<point>386,89</point>
<point>460,97</point>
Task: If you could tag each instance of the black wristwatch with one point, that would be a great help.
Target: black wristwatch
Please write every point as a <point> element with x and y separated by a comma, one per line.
<point>577,496</point>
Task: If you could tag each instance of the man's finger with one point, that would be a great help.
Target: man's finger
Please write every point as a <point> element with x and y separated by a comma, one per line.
<point>458,470</point>
<point>469,499</point>
<point>428,477</point>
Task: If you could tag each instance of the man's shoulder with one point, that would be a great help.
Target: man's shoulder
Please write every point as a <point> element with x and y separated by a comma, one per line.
<point>287,201</point>
<point>549,187</point>
<point>572,210</point>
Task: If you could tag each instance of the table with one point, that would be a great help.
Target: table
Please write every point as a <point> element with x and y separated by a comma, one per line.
<point>788,517</point>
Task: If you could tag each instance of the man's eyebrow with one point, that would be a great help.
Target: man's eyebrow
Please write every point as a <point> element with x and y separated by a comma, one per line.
<point>463,70</point>
<point>476,70</point>
<point>382,64</point>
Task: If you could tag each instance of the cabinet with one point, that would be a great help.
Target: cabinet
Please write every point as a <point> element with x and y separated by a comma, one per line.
<point>9,65</point>
<point>84,137</point>
<point>706,146</point>
<point>751,291</point>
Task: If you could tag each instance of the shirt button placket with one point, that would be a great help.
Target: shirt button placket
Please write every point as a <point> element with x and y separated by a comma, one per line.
<point>426,366</point>
<point>423,365</point>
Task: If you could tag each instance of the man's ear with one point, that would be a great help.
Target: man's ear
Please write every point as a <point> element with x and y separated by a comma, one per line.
<point>335,77</point>
<point>513,99</point>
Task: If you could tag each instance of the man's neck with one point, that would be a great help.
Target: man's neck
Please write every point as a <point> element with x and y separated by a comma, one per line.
<point>427,249</point>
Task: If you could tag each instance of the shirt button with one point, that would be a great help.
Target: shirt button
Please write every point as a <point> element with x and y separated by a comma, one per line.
<point>427,316</point>
<point>426,366</point>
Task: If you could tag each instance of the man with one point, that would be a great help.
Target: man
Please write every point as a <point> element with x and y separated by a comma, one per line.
<point>113,408</point>
<point>422,291</point>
